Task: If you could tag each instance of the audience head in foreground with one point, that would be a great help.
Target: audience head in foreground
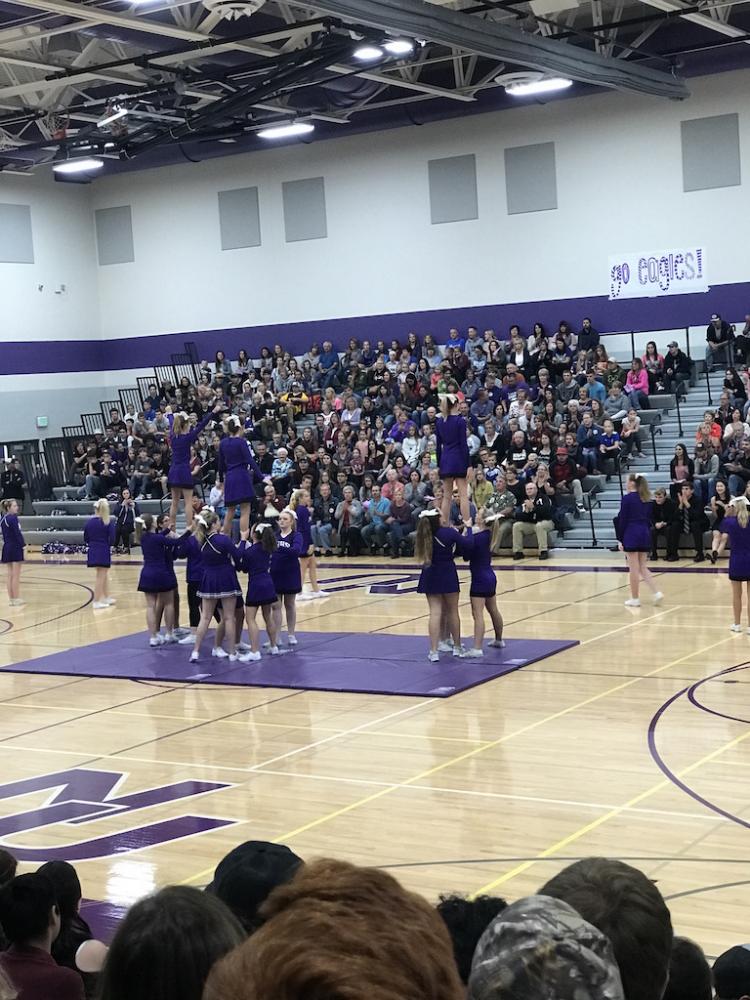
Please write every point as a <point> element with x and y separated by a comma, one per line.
<point>245,878</point>
<point>689,972</point>
<point>166,946</point>
<point>732,974</point>
<point>467,920</point>
<point>541,949</point>
<point>338,932</point>
<point>625,905</point>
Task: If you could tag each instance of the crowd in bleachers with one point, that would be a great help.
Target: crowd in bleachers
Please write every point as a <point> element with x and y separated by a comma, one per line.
<point>544,412</point>
<point>271,927</point>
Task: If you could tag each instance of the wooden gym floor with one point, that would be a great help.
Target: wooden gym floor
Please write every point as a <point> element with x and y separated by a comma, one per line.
<point>603,749</point>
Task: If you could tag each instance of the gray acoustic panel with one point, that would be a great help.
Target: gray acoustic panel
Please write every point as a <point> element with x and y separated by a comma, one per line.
<point>305,210</point>
<point>239,218</point>
<point>710,153</point>
<point>114,235</point>
<point>16,242</point>
<point>453,189</point>
<point>530,178</point>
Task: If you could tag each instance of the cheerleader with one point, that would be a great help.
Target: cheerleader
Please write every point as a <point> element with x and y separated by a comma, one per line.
<point>189,549</point>
<point>478,553</point>
<point>739,555</point>
<point>255,560</point>
<point>13,546</point>
<point>435,548</point>
<point>286,573</point>
<point>633,528</point>
<point>180,478</point>
<point>99,536</point>
<point>219,585</point>
<point>127,512</point>
<point>157,580</point>
<point>300,504</point>
<point>238,470</point>
<point>453,456</point>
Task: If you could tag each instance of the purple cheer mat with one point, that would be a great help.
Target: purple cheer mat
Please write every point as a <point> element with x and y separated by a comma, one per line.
<point>323,661</point>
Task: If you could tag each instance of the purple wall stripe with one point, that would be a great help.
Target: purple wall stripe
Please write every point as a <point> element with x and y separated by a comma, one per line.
<point>667,312</point>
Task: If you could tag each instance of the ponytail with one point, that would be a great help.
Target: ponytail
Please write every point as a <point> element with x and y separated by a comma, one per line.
<point>5,505</point>
<point>143,525</point>
<point>264,534</point>
<point>101,508</point>
<point>743,515</point>
<point>425,536</point>
<point>641,485</point>
<point>447,402</point>
<point>295,499</point>
<point>203,522</point>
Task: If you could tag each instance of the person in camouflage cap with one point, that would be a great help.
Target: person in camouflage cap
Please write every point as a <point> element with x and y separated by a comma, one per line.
<point>541,949</point>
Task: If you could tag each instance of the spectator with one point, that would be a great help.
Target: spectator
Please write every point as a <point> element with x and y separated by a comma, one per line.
<point>328,362</point>
<point>705,472</point>
<point>246,876</point>
<point>588,338</point>
<point>541,948</point>
<point>323,525</point>
<point>73,928</point>
<point>689,972</point>
<point>588,438</point>
<point>742,342</point>
<point>731,973</point>
<point>653,362</point>
<point>625,905</point>
<point>467,920</point>
<point>377,509</point>
<point>31,921</point>
<point>718,342</point>
<point>690,519</point>
<point>663,514</point>
<point>12,482</point>
<point>340,931</point>
<point>676,369</point>
<point>636,385</point>
<point>630,435</point>
<point>349,520</point>
<point>399,522</point>
<point>681,469</point>
<point>616,404</point>
<point>532,517</point>
<point>738,468</point>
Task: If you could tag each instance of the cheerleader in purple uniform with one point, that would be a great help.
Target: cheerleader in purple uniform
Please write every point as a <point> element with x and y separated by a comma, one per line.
<point>453,456</point>
<point>633,529</point>
<point>190,549</point>
<point>180,478</point>
<point>478,553</point>
<point>255,560</point>
<point>300,504</point>
<point>99,535</point>
<point>237,470</point>
<point>13,546</point>
<point>219,585</point>
<point>157,581</point>
<point>435,548</point>
<point>739,555</point>
<point>286,573</point>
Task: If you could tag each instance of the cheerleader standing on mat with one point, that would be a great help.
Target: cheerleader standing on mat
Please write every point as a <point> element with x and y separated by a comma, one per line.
<point>157,580</point>
<point>189,548</point>
<point>13,546</point>
<point>435,548</point>
<point>286,573</point>
<point>478,552</point>
<point>219,585</point>
<point>238,470</point>
<point>453,456</point>
<point>299,502</point>
<point>255,560</point>
<point>99,535</point>
<point>180,479</point>
<point>739,556</point>
<point>634,537</point>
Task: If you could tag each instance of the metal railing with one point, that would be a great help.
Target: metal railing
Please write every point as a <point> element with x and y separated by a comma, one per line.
<point>654,431</point>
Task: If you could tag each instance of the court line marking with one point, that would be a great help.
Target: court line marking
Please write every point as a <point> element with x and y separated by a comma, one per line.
<point>530,727</point>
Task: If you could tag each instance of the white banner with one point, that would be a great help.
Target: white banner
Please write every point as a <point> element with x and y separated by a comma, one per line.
<point>660,272</point>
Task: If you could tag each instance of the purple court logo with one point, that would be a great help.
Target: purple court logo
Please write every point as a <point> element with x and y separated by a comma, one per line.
<point>81,796</point>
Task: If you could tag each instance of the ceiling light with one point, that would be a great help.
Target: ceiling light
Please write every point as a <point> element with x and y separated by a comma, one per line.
<point>368,53</point>
<point>79,166</point>
<point>399,46</point>
<point>285,131</point>
<point>547,85</point>
<point>115,114</point>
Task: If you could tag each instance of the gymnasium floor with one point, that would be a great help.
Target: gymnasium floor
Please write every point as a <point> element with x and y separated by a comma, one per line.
<point>606,748</point>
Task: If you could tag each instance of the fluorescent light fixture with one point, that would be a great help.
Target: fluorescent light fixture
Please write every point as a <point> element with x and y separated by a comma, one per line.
<point>79,166</point>
<point>285,131</point>
<point>399,47</point>
<point>120,113</point>
<point>368,53</point>
<point>547,85</point>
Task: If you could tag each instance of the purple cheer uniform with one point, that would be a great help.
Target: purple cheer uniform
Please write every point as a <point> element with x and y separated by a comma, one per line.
<point>180,475</point>
<point>285,569</point>
<point>739,552</point>
<point>100,538</point>
<point>441,577</point>
<point>239,469</point>
<point>303,526</point>
<point>477,553</point>
<point>219,573</point>
<point>189,548</point>
<point>634,523</point>
<point>452,447</point>
<point>157,575</point>
<point>13,543</point>
<point>256,562</point>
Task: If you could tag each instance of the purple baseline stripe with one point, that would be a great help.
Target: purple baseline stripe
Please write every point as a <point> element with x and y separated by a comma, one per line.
<point>665,312</point>
<point>664,767</point>
<point>103,918</point>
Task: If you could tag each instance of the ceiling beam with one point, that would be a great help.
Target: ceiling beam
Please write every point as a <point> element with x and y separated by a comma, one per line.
<point>99,15</point>
<point>704,20</point>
